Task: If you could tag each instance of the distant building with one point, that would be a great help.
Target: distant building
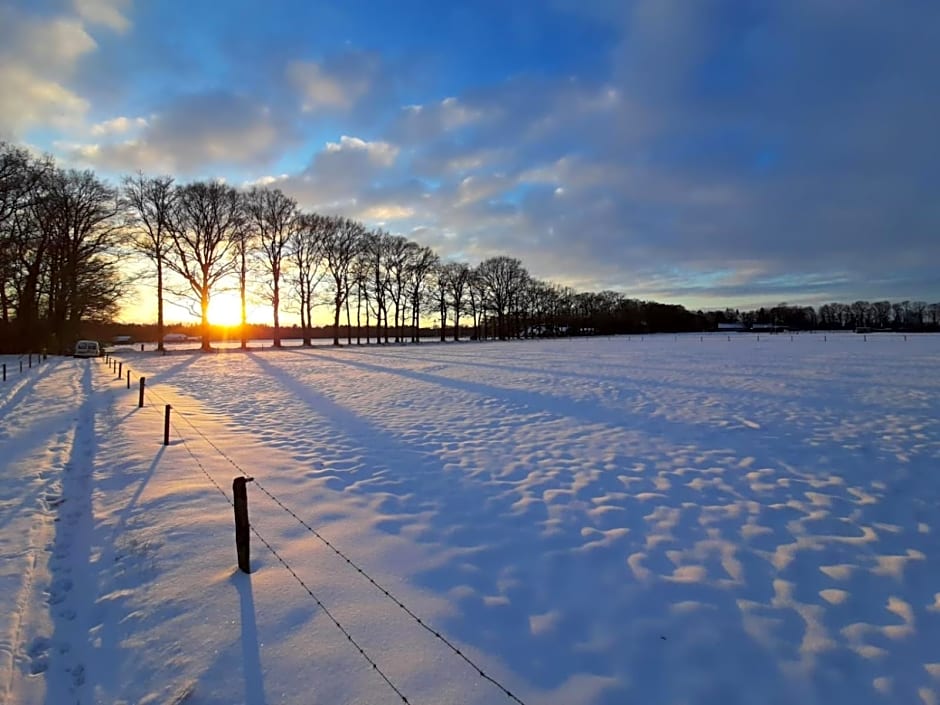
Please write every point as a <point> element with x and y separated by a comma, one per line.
<point>732,327</point>
<point>174,338</point>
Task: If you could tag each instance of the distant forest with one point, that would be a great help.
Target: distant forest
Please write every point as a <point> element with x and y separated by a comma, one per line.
<point>71,245</point>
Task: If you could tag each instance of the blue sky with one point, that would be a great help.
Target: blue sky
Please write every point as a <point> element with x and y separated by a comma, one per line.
<point>707,153</point>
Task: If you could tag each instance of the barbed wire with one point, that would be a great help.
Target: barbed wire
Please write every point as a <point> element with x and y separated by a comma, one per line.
<point>329,614</point>
<point>278,556</point>
<point>401,605</point>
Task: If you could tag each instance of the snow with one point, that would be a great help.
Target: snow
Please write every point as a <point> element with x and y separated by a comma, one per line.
<point>671,519</point>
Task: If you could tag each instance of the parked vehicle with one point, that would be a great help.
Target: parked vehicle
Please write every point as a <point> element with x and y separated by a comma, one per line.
<point>87,348</point>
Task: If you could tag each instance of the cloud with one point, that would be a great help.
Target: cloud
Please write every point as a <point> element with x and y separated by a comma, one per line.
<point>336,84</point>
<point>118,126</point>
<point>193,134</point>
<point>37,57</point>
<point>108,13</point>
<point>378,153</point>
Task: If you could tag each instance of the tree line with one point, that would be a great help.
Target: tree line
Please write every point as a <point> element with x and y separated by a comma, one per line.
<point>71,244</point>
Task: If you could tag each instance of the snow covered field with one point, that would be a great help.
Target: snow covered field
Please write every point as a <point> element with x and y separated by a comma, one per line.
<point>592,522</point>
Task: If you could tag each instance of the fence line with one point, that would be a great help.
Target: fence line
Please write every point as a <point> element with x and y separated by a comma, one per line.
<point>338,552</point>
<point>355,566</point>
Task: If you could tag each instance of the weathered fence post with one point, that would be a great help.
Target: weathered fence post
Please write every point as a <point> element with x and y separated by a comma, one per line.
<point>30,361</point>
<point>4,372</point>
<point>21,365</point>
<point>128,379</point>
<point>242,527</point>
<point>141,347</point>
<point>120,370</point>
<point>140,399</point>
<point>166,425</point>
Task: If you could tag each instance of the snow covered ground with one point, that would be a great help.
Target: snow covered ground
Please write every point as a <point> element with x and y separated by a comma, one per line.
<point>592,522</point>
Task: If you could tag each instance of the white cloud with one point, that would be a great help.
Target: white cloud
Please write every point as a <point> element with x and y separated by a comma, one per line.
<point>27,100</point>
<point>108,13</point>
<point>37,56</point>
<point>323,87</point>
<point>118,126</point>
<point>379,153</point>
<point>383,213</point>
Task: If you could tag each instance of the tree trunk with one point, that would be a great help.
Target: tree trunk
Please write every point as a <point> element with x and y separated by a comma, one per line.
<point>359,316</point>
<point>443,321</point>
<point>160,347</point>
<point>276,302</point>
<point>241,284</point>
<point>205,321</point>
<point>338,305</point>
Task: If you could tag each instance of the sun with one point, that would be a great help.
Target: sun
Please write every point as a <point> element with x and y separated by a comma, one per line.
<point>225,309</point>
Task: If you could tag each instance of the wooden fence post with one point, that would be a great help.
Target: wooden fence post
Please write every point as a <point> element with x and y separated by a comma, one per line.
<point>140,399</point>
<point>128,379</point>
<point>120,370</point>
<point>166,425</point>
<point>242,527</point>
<point>4,372</point>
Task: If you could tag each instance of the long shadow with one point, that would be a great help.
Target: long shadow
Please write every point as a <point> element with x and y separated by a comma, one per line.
<point>506,574</point>
<point>548,404</point>
<point>24,389</point>
<point>502,547</point>
<point>251,657</point>
<point>173,370</point>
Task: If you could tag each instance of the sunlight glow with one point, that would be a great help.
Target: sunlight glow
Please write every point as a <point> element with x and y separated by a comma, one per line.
<point>225,309</point>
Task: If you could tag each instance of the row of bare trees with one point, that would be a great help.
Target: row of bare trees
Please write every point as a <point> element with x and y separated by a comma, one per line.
<point>70,243</point>
<point>203,234</point>
<point>879,315</point>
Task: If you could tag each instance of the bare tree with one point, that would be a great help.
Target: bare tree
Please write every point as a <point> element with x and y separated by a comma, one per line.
<point>476,299</point>
<point>397,254</point>
<point>457,282</point>
<point>423,261</point>
<point>148,203</point>
<point>502,279</point>
<point>207,217</point>
<point>375,246</point>
<point>441,281</point>
<point>342,241</point>
<point>78,216</point>
<point>243,244</point>
<point>305,251</point>
<point>274,218</point>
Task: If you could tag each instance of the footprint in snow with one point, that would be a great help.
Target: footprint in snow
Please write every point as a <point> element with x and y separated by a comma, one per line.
<point>38,653</point>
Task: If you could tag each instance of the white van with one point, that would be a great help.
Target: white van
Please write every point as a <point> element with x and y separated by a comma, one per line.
<point>87,348</point>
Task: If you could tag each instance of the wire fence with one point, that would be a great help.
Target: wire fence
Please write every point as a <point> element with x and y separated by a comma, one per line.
<point>399,604</point>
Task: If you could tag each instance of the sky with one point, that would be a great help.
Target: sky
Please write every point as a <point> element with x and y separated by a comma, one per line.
<point>713,153</point>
